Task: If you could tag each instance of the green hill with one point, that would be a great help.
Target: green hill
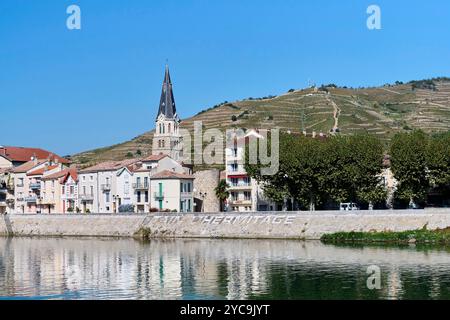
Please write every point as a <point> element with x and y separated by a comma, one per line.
<point>382,111</point>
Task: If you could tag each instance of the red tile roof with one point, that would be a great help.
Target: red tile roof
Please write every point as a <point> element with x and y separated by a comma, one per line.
<point>156,157</point>
<point>70,173</point>
<point>55,175</point>
<point>110,165</point>
<point>20,154</point>
<point>27,166</point>
<point>42,170</point>
<point>166,174</point>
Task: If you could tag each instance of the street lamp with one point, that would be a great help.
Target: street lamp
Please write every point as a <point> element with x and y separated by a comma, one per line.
<point>203,196</point>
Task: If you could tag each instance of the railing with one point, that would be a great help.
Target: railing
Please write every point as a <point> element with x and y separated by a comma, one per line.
<point>140,186</point>
<point>240,185</point>
<point>86,197</point>
<point>186,194</point>
<point>30,199</point>
<point>106,187</point>
<point>244,202</point>
<point>35,186</point>
<point>159,196</point>
<point>48,202</point>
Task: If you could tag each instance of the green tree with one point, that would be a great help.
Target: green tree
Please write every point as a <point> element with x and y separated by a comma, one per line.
<point>409,165</point>
<point>222,193</point>
<point>313,171</point>
<point>438,162</point>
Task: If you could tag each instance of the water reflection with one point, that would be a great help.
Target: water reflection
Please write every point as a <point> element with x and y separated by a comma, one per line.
<point>215,269</point>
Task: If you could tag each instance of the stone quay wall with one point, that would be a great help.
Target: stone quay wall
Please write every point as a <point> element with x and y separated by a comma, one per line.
<point>268,225</point>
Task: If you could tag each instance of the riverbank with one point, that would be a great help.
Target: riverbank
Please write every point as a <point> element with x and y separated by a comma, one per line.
<point>261,225</point>
<point>423,236</point>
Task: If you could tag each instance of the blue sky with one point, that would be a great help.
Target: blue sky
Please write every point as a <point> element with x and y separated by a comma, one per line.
<point>70,91</point>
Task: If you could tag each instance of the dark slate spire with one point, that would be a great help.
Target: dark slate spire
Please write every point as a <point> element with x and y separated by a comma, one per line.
<point>167,104</point>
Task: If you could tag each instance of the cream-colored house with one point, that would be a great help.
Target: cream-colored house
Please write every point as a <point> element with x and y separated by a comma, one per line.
<point>172,191</point>
<point>28,184</point>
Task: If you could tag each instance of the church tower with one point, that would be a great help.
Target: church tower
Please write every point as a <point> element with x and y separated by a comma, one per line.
<point>167,139</point>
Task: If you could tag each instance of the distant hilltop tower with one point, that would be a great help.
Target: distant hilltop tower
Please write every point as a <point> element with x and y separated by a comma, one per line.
<point>167,139</point>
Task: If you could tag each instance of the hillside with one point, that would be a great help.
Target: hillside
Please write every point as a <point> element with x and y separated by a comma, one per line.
<point>382,111</point>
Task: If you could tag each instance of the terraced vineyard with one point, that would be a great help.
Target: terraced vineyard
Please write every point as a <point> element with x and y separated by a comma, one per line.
<point>382,111</point>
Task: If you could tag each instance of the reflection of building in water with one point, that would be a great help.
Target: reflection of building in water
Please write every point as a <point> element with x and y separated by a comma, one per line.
<point>191,269</point>
<point>394,282</point>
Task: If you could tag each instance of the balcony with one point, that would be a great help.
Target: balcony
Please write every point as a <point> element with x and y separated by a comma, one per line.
<point>48,202</point>
<point>140,186</point>
<point>35,186</point>
<point>106,187</point>
<point>86,197</point>
<point>186,194</point>
<point>240,186</point>
<point>30,199</point>
<point>158,195</point>
<point>241,202</point>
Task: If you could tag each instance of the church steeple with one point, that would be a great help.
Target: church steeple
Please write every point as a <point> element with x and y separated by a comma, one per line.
<point>167,103</point>
<point>167,139</point>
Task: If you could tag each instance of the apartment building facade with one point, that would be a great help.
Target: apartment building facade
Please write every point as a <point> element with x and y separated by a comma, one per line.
<point>246,194</point>
<point>172,191</point>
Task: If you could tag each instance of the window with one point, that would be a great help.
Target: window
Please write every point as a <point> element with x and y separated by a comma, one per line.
<point>138,196</point>
<point>247,195</point>
<point>234,167</point>
<point>138,181</point>
<point>234,182</point>
<point>92,190</point>
<point>53,183</point>
<point>235,152</point>
<point>146,182</point>
<point>107,197</point>
<point>126,186</point>
<point>84,178</point>
<point>84,189</point>
<point>146,196</point>
<point>163,143</point>
<point>72,190</point>
<point>189,187</point>
<point>91,177</point>
<point>169,128</point>
<point>63,190</point>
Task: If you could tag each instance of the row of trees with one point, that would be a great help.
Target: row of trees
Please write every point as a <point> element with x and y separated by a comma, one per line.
<point>316,173</point>
<point>421,163</point>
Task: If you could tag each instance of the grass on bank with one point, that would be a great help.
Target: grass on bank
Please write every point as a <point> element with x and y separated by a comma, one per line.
<point>423,236</point>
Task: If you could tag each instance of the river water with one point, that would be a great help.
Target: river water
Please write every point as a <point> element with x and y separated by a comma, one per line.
<point>86,268</point>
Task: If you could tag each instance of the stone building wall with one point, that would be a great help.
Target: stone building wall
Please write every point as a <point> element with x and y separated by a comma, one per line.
<point>206,181</point>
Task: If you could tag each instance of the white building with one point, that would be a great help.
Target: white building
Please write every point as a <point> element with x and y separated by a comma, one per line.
<point>246,194</point>
<point>172,191</point>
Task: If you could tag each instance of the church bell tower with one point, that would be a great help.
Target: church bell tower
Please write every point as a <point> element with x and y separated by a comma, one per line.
<point>167,139</point>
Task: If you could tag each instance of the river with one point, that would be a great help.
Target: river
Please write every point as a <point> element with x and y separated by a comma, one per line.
<point>93,268</point>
